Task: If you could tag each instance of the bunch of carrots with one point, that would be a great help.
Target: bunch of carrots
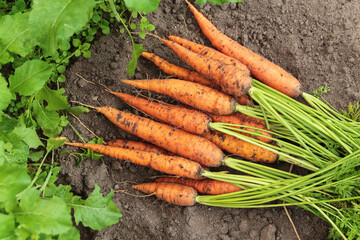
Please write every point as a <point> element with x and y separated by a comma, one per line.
<point>230,112</point>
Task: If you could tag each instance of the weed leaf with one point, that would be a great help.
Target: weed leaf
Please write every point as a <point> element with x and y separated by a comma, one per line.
<point>53,22</point>
<point>96,211</point>
<point>30,77</point>
<point>144,6</point>
<point>5,94</point>
<point>18,40</point>
<point>48,216</point>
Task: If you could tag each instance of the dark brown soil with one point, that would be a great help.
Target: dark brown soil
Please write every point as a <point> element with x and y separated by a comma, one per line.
<point>316,41</point>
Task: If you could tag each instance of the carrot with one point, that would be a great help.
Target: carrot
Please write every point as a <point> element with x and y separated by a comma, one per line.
<point>241,148</point>
<point>209,52</point>
<point>193,94</point>
<point>168,164</point>
<point>178,72</point>
<point>136,145</point>
<point>190,120</point>
<point>206,186</point>
<point>242,119</point>
<point>261,68</point>
<point>228,77</point>
<point>171,192</point>
<point>172,139</point>
<point>245,100</point>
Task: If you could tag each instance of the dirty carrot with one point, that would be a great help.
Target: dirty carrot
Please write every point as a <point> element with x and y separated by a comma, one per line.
<point>244,120</point>
<point>206,186</point>
<point>227,76</point>
<point>172,139</point>
<point>209,52</point>
<point>241,148</point>
<point>245,100</point>
<point>190,120</point>
<point>178,72</point>
<point>170,192</point>
<point>261,68</point>
<point>193,94</point>
<point>168,164</point>
<point>136,145</point>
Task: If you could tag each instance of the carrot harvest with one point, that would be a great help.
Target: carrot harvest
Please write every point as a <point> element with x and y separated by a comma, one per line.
<point>136,145</point>
<point>241,148</point>
<point>172,139</point>
<point>177,71</point>
<point>242,119</point>
<point>209,52</point>
<point>261,68</point>
<point>170,192</point>
<point>193,94</point>
<point>168,164</point>
<point>206,186</point>
<point>190,120</point>
<point>228,77</point>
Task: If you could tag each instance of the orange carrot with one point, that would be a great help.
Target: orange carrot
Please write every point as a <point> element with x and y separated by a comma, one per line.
<point>241,148</point>
<point>193,94</point>
<point>171,192</point>
<point>168,164</point>
<point>172,139</point>
<point>190,120</point>
<point>227,76</point>
<point>178,72</point>
<point>242,119</point>
<point>206,186</point>
<point>245,100</point>
<point>209,52</point>
<point>261,68</point>
<point>136,145</point>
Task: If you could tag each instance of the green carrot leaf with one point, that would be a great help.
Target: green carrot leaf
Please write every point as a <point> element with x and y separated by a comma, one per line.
<point>30,77</point>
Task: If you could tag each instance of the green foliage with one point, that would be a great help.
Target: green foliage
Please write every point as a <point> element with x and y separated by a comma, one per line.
<point>5,94</point>
<point>52,23</point>
<point>353,111</point>
<point>17,41</point>
<point>30,77</point>
<point>137,50</point>
<point>318,93</point>
<point>143,6</point>
<point>27,211</point>
<point>96,211</point>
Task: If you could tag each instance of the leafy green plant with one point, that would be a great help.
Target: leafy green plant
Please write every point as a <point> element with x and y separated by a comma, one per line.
<point>33,111</point>
<point>318,93</point>
<point>353,111</point>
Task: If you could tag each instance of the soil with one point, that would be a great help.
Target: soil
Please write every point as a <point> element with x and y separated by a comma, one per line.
<point>316,41</point>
